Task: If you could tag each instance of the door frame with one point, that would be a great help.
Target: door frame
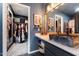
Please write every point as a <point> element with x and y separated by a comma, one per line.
<point>5,28</point>
<point>59,16</point>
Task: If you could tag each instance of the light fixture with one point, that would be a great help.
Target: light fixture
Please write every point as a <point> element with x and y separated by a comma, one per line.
<point>62,4</point>
<point>57,7</point>
<point>49,8</point>
<point>26,21</point>
<point>54,6</point>
<point>77,10</point>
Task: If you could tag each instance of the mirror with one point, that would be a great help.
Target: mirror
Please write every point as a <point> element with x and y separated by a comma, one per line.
<point>37,22</point>
<point>56,21</point>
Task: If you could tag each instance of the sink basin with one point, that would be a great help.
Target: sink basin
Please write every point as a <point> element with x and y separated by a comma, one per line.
<point>63,40</point>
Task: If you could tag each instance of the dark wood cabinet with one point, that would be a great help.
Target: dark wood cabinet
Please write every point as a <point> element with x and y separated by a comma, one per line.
<point>51,50</point>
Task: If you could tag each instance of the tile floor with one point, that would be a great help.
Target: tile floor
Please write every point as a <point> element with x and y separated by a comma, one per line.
<point>34,54</point>
<point>18,49</point>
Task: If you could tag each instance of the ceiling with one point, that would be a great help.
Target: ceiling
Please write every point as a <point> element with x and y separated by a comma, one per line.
<point>19,9</point>
<point>69,8</point>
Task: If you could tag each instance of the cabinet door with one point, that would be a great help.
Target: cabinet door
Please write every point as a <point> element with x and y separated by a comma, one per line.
<point>56,51</point>
<point>48,53</point>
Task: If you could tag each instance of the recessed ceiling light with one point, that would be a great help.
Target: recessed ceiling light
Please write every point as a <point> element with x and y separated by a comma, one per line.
<point>77,10</point>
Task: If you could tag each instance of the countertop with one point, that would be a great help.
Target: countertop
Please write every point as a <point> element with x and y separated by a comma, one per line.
<point>72,50</point>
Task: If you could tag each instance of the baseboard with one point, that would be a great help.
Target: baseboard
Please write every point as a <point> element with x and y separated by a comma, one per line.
<point>33,51</point>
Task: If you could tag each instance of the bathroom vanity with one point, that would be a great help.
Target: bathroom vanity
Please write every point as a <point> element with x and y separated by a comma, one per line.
<point>53,48</point>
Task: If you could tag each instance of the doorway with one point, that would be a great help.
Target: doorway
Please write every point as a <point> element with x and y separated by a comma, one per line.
<point>16,31</point>
<point>59,24</point>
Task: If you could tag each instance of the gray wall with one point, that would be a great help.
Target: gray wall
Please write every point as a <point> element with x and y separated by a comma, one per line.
<point>35,8</point>
<point>0,28</point>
